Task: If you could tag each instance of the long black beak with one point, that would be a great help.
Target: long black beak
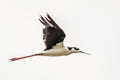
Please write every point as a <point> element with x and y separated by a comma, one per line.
<point>85,53</point>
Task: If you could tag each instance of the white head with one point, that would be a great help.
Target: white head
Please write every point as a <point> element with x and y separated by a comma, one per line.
<point>76,50</point>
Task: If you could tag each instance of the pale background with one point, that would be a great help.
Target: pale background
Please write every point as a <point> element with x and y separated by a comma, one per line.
<point>91,25</point>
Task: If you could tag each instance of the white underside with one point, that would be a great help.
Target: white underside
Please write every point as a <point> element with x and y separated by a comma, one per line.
<point>56,52</point>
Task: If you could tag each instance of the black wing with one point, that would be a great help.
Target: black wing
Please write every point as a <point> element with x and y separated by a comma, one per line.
<point>52,33</point>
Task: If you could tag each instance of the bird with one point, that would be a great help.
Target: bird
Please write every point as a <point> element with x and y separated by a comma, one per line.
<point>53,37</point>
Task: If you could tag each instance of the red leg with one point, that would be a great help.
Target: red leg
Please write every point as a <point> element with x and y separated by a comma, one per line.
<point>18,58</point>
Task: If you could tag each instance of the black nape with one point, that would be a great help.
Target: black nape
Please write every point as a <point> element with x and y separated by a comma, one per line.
<point>69,48</point>
<point>73,47</point>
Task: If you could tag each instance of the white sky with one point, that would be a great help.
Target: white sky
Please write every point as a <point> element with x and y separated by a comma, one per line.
<point>91,25</point>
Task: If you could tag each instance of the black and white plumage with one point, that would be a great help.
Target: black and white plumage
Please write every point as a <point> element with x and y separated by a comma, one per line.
<point>53,37</point>
<point>52,33</point>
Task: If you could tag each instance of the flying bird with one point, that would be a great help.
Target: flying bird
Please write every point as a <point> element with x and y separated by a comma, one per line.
<point>53,37</point>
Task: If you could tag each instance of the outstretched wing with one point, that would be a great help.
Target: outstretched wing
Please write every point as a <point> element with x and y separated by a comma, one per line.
<point>52,33</point>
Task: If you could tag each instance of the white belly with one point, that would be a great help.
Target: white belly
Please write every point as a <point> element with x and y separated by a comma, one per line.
<point>57,52</point>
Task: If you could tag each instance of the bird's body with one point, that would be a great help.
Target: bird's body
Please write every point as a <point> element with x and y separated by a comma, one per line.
<point>56,52</point>
<point>53,37</point>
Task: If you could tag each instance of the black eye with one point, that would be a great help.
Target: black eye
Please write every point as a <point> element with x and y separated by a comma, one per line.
<point>76,48</point>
